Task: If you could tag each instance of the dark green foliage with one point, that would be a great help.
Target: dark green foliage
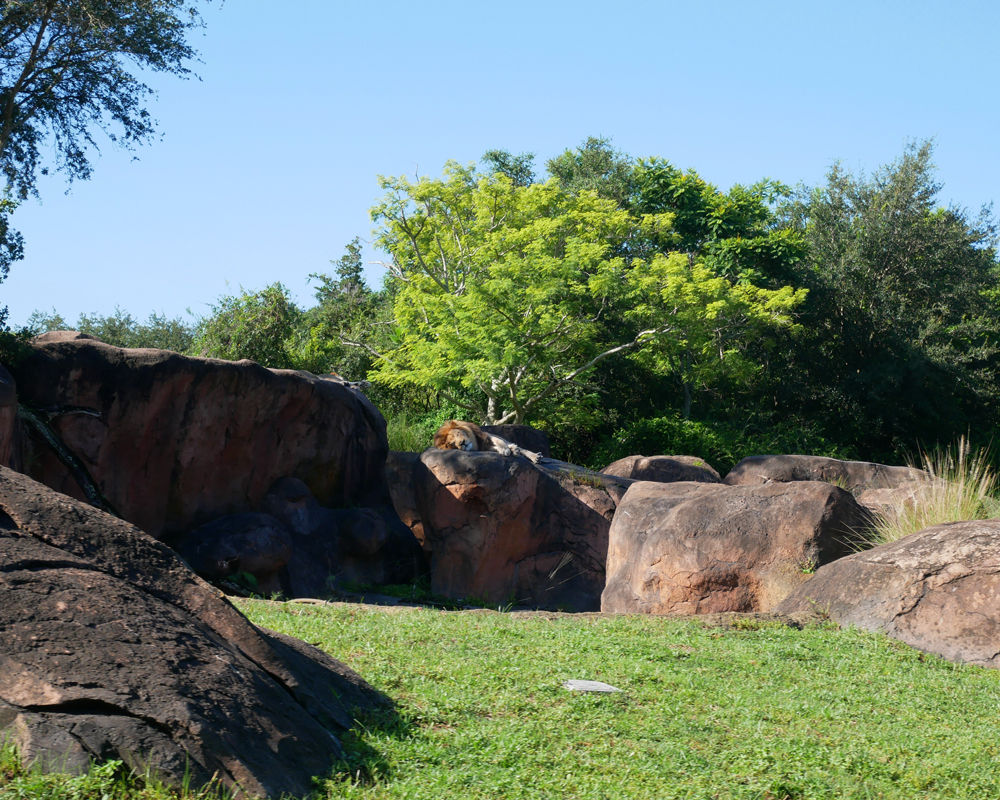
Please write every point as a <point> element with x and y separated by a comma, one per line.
<point>595,166</point>
<point>736,233</point>
<point>340,334</point>
<point>253,325</point>
<point>901,330</point>
<point>722,445</point>
<point>123,330</point>
<point>520,168</point>
<point>66,71</point>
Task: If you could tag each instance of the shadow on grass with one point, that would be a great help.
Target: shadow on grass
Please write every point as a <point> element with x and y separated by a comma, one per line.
<point>362,763</point>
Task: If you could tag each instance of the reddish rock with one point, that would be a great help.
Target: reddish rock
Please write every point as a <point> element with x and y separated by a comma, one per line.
<point>937,590</point>
<point>400,468</point>
<point>181,441</point>
<point>855,476</point>
<point>506,531</point>
<point>113,649</point>
<point>695,548</point>
<point>663,469</point>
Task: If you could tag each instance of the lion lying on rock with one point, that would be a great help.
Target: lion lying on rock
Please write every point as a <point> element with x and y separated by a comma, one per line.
<point>458,435</point>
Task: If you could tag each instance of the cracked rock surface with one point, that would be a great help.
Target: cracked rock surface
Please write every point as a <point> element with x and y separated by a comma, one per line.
<point>112,648</point>
<point>937,590</point>
<point>701,548</point>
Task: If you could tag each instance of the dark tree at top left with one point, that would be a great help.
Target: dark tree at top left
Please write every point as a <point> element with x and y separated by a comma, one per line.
<point>71,70</point>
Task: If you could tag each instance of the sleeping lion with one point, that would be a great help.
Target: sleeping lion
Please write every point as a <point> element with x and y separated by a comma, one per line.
<point>458,435</point>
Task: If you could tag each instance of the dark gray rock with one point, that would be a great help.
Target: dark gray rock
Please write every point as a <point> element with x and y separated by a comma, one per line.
<point>113,648</point>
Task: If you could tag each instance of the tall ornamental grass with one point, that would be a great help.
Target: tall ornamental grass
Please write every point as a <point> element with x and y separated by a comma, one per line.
<point>961,486</point>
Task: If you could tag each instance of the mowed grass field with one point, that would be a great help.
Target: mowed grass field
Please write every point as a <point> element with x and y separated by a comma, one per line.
<point>754,709</point>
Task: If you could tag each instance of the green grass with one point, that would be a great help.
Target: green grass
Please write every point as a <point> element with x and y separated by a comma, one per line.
<point>962,486</point>
<point>756,710</point>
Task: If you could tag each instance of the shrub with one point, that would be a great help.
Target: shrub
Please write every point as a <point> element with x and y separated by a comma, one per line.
<point>721,445</point>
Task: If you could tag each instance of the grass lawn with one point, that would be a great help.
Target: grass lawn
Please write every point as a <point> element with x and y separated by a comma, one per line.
<point>759,710</point>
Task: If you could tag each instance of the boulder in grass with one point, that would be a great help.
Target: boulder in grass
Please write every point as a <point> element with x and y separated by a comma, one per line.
<point>663,469</point>
<point>855,476</point>
<point>112,648</point>
<point>937,590</point>
<point>695,548</point>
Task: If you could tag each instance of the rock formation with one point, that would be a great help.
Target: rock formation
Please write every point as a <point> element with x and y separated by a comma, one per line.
<point>113,649</point>
<point>855,476</point>
<point>663,469</point>
<point>174,442</point>
<point>694,548</point>
<point>503,530</point>
<point>937,590</point>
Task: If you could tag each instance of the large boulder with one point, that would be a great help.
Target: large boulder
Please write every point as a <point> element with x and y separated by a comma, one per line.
<point>855,476</point>
<point>937,590</point>
<point>501,529</point>
<point>697,548</point>
<point>663,469</point>
<point>113,649</point>
<point>174,442</point>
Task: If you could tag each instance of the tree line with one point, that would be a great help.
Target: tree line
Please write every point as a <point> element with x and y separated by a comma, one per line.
<point>626,305</point>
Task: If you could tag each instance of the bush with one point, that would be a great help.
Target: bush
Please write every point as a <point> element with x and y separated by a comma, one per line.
<point>720,444</point>
<point>253,325</point>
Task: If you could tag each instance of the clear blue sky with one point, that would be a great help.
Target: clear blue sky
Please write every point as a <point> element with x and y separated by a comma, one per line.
<point>267,166</point>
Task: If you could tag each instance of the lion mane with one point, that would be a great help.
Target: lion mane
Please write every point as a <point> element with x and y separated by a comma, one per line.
<point>457,434</point>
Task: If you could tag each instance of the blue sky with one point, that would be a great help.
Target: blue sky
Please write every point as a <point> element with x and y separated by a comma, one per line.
<point>267,165</point>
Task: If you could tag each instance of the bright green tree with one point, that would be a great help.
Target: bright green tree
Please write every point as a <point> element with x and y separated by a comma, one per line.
<point>502,291</point>
<point>710,319</point>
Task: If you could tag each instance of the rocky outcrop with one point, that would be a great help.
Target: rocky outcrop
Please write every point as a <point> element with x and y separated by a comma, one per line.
<point>174,442</point>
<point>506,531</point>
<point>937,590</point>
<point>663,469</point>
<point>113,649</point>
<point>855,476</point>
<point>693,548</point>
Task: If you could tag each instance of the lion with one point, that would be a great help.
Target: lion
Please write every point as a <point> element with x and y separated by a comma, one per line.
<point>458,435</point>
